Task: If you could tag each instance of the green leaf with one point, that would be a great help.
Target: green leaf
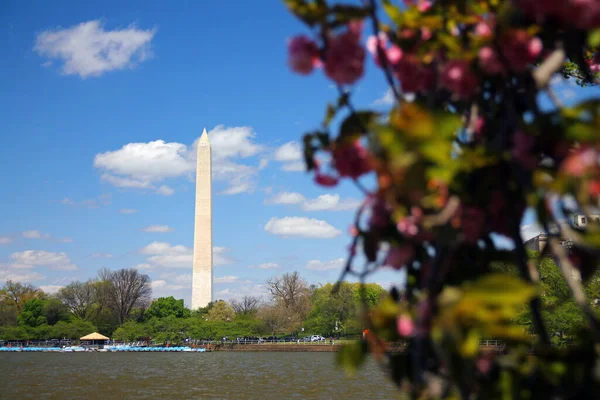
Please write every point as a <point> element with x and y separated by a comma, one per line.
<point>309,13</point>
<point>309,152</point>
<point>352,356</point>
<point>344,13</point>
<point>501,289</point>
<point>356,124</point>
<point>594,38</point>
<point>393,12</point>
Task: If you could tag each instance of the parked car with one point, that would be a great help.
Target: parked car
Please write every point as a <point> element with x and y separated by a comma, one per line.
<point>316,338</point>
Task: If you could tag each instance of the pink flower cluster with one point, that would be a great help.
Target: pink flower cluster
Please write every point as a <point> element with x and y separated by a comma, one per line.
<point>413,76</point>
<point>343,61</point>
<point>583,14</point>
<point>350,160</point>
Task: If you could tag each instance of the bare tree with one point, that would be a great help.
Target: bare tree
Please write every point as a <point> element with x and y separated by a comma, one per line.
<point>127,289</point>
<point>275,317</point>
<point>84,299</point>
<point>291,291</point>
<point>248,305</point>
<point>17,293</point>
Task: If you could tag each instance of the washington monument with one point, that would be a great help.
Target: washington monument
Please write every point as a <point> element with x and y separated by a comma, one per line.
<point>203,258</point>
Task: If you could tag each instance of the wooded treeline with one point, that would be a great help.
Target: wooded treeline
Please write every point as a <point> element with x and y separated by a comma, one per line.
<point>119,304</point>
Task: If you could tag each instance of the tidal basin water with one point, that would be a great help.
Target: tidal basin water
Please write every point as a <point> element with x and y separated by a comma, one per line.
<point>217,375</point>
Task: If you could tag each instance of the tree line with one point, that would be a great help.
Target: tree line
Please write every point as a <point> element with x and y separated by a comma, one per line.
<point>119,305</point>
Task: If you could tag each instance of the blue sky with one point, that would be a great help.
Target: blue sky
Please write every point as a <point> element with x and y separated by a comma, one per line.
<point>100,106</point>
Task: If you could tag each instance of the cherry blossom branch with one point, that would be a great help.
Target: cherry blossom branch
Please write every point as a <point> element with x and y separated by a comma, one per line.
<point>535,303</point>
<point>385,63</point>
<point>567,268</point>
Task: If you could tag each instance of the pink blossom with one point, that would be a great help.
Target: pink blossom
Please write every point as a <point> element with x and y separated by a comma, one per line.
<point>489,61</point>
<point>473,223</point>
<point>372,43</point>
<point>484,363</point>
<point>326,180</point>
<point>352,160</point>
<point>414,77</point>
<point>393,54</point>
<point>520,49</point>
<point>380,214</point>
<point>303,55</point>
<point>405,325</point>
<point>424,5</point>
<point>594,63</point>
<point>458,77</point>
<point>479,128</point>
<point>523,149</point>
<point>577,164</point>
<point>355,27</point>
<point>408,226</point>
<point>426,33</point>
<point>584,14</point>
<point>399,256</point>
<point>484,29</point>
<point>345,57</point>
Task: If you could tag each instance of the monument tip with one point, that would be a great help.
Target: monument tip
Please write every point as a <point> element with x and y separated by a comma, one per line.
<point>204,137</point>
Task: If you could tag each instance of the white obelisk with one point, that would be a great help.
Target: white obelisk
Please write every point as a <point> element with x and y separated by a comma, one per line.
<point>202,278</point>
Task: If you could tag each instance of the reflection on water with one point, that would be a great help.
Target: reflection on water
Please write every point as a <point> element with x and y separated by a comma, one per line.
<point>218,375</point>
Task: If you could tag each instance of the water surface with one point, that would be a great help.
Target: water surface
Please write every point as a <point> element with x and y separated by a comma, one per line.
<point>217,375</point>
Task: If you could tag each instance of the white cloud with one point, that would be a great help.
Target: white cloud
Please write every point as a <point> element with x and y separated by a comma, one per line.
<point>33,258</point>
<point>102,200</point>
<point>268,265</point>
<point>158,228</point>
<point>50,289</point>
<point>127,211</point>
<point>331,202</point>
<point>89,50</point>
<point>221,257</point>
<point>145,165</point>
<point>296,166</point>
<point>158,283</point>
<point>35,235</point>
<point>101,255</point>
<point>326,202</point>
<point>162,254</point>
<point>386,100</point>
<point>301,226</point>
<point>247,289</point>
<point>171,282</point>
<point>290,151</point>
<point>143,266</point>
<point>5,240</point>
<point>530,230</point>
<point>263,163</point>
<point>226,279</point>
<point>287,198</point>
<point>317,265</point>
<point>165,190</point>
<point>7,273</point>
<point>290,154</point>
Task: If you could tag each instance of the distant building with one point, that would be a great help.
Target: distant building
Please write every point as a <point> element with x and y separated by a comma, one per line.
<point>539,242</point>
<point>581,221</point>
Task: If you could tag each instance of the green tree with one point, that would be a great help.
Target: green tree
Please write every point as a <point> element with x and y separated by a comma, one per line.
<point>221,311</point>
<point>74,329</point>
<point>55,310</point>
<point>167,306</point>
<point>32,313</point>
